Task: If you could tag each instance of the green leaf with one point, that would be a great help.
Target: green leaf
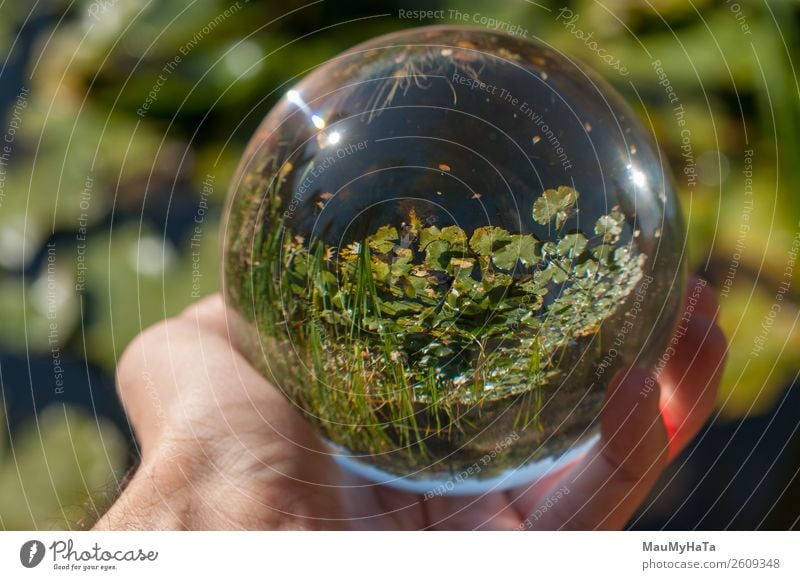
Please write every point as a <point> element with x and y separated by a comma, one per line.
<point>380,270</point>
<point>549,250</point>
<point>542,277</point>
<point>497,280</point>
<point>571,245</point>
<point>602,252</point>
<point>557,274</point>
<point>610,226</point>
<point>461,266</point>
<point>622,256</point>
<point>407,286</point>
<point>338,300</point>
<point>521,247</point>
<point>400,308</point>
<point>533,288</point>
<point>420,284</point>
<point>403,256</point>
<point>326,281</point>
<point>401,264</point>
<point>487,239</point>
<point>428,235</point>
<point>555,204</point>
<point>300,264</point>
<point>506,257</point>
<point>400,269</point>
<point>462,269</point>
<point>472,308</point>
<point>454,236</point>
<point>586,269</point>
<point>527,249</point>
<point>384,239</point>
<point>436,255</point>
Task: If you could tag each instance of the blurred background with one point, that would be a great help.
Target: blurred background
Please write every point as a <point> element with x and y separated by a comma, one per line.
<point>122,123</point>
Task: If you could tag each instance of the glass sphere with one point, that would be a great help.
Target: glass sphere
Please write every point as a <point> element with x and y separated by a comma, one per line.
<point>441,245</point>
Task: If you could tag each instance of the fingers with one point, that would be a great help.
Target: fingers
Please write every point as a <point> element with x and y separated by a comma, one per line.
<point>490,511</point>
<point>209,314</point>
<point>700,298</point>
<point>696,360</point>
<point>604,488</point>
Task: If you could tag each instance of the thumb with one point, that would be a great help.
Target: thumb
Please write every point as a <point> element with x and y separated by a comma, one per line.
<point>183,380</point>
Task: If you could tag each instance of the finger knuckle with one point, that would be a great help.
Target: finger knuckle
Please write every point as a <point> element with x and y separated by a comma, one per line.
<point>211,308</point>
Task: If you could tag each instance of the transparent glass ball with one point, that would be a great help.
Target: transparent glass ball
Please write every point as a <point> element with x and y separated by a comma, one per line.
<point>441,245</point>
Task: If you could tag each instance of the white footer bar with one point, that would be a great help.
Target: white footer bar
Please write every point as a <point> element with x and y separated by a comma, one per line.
<point>400,555</point>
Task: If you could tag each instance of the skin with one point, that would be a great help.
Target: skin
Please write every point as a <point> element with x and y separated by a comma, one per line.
<point>221,448</point>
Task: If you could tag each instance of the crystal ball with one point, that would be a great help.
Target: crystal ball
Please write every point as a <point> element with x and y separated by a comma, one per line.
<point>442,245</point>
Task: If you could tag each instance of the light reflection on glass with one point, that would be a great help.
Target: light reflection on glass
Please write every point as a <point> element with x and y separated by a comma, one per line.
<point>637,176</point>
<point>294,97</point>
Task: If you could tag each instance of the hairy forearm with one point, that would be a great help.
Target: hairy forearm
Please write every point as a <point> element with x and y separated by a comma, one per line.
<point>190,491</point>
<point>150,500</point>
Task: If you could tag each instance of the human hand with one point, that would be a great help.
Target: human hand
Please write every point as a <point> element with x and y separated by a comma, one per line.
<point>221,448</point>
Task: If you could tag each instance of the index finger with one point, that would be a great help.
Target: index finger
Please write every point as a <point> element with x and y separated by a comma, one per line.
<point>696,359</point>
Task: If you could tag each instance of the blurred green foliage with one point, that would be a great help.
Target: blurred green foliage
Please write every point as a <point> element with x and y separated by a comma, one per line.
<point>59,470</point>
<point>90,129</point>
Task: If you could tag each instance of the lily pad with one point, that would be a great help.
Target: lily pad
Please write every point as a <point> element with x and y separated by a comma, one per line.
<point>555,204</point>
<point>572,245</point>
<point>384,239</point>
<point>454,236</point>
<point>610,226</point>
<point>428,235</point>
<point>520,248</point>
<point>488,239</point>
<point>437,255</point>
